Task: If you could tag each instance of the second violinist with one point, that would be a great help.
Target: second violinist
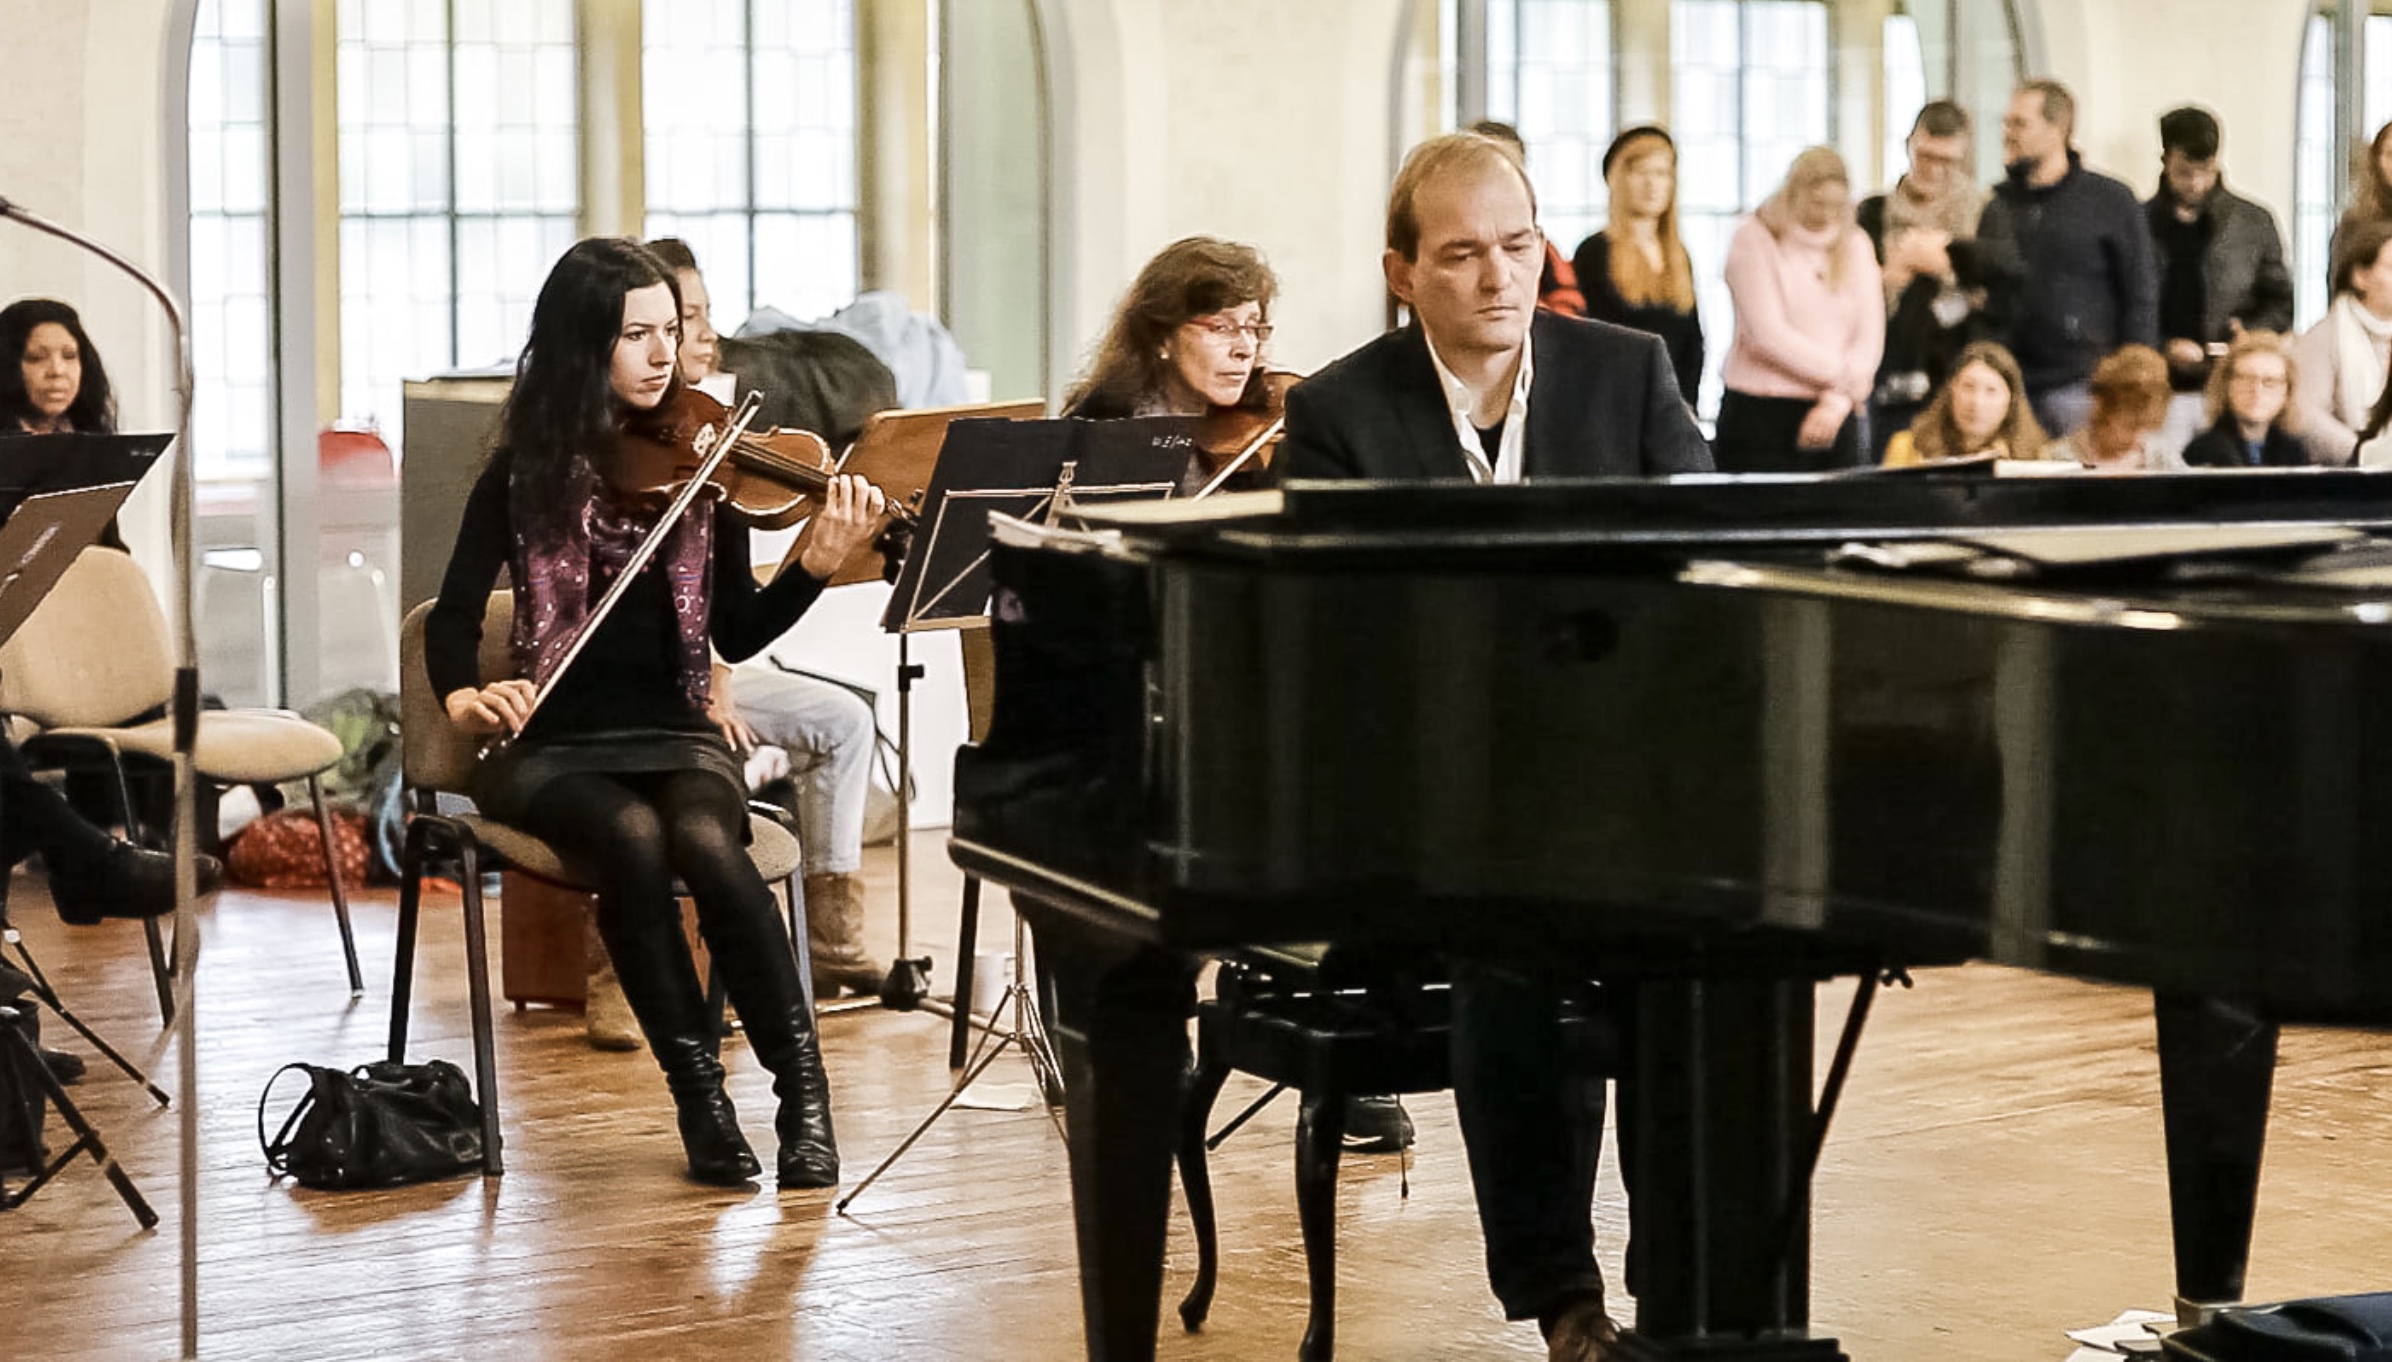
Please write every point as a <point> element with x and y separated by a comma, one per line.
<point>1188,340</point>
<point>621,769</point>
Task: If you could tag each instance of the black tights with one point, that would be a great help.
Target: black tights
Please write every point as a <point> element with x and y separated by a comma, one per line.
<point>35,817</point>
<point>639,832</point>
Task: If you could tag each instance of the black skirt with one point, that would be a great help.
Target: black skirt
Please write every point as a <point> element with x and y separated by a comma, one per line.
<point>1760,435</point>
<point>510,778</point>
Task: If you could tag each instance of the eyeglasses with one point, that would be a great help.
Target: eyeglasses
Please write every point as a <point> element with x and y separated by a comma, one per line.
<point>1256,332</point>
<point>2245,377</point>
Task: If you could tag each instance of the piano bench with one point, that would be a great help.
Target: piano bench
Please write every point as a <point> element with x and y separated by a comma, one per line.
<point>1329,1027</point>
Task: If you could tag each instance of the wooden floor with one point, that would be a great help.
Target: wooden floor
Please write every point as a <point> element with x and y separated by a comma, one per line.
<point>1995,1179</point>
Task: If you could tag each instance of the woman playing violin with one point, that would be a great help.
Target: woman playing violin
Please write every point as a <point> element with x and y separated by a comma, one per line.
<point>620,769</point>
<point>1188,339</point>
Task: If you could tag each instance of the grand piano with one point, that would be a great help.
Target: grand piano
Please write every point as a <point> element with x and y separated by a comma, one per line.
<point>1726,739</point>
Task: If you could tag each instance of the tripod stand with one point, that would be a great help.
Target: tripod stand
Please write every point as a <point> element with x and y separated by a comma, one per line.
<point>1027,1032</point>
<point>25,1064</point>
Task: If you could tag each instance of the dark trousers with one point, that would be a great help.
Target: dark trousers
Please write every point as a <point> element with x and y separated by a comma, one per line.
<point>1531,1106</point>
<point>1760,434</point>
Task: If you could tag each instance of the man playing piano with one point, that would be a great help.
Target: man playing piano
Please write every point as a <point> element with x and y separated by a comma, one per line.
<point>1480,386</point>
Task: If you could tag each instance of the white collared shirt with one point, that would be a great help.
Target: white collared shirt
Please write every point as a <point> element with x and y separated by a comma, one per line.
<point>1511,453</point>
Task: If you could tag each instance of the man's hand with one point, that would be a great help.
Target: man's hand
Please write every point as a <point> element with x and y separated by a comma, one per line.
<point>501,706</point>
<point>2186,354</point>
<point>851,514</point>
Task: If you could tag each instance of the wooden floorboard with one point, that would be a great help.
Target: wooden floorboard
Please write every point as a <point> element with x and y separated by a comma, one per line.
<point>1995,1178</point>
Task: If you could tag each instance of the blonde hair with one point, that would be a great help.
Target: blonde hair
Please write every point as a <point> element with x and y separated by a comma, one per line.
<point>1813,167</point>
<point>1451,154</point>
<point>1634,276</point>
<point>2249,343</point>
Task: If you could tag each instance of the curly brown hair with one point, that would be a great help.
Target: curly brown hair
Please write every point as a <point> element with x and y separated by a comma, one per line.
<point>1193,277</point>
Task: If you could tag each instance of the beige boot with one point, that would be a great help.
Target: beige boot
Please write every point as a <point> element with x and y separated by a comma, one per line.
<point>604,1011</point>
<point>835,936</point>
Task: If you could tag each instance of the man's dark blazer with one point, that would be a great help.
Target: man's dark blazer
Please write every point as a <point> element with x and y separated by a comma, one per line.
<point>1604,404</point>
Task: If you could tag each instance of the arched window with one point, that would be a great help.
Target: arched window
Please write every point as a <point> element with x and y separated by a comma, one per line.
<point>751,148</point>
<point>459,155</point>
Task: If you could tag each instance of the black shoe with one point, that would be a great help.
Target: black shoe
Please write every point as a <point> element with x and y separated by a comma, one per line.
<point>718,1154</point>
<point>127,882</point>
<point>64,1067</point>
<point>1376,1125</point>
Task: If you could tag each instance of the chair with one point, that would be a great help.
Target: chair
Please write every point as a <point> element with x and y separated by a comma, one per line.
<point>93,659</point>
<point>437,757</point>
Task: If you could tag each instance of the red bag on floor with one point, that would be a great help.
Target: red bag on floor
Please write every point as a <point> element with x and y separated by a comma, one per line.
<point>283,850</point>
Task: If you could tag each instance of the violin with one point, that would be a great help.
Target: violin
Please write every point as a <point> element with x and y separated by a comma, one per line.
<point>1229,439</point>
<point>773,477</point>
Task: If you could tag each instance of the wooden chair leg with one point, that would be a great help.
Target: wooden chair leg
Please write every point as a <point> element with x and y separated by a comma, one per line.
<point>1320,1139</point>
<point>340,895</point>
<point>967,941</point>
<point>1210,1071</point>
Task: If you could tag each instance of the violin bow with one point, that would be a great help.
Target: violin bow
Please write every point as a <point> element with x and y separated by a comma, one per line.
<point>714,456</point>
<point>1253,447</point>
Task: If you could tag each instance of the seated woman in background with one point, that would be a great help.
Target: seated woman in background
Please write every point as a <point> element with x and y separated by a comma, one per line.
<point>1981,412</point>
<point>1810,327</point>
<point>2254,422</point>
<point>2130,404</point>
<point>1635,272</point>
<point>57,384</point>
<point>1187,340</point>
<point>2343,359</point>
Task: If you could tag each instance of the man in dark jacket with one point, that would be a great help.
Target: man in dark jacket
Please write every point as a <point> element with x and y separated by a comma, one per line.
<point>2221,264</point>
<point>1482,387</point>
<point>2064,255</point>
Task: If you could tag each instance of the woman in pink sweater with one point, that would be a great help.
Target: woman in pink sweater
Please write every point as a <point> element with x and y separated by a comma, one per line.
<point>1810,327</point>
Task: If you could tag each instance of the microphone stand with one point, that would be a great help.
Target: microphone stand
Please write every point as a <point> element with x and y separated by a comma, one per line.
<point>185,710</point>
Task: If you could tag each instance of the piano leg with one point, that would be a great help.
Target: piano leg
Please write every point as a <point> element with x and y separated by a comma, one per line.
<point>2216,1066</point>
<point>1719,1203</point>
<point>1121,1034</point>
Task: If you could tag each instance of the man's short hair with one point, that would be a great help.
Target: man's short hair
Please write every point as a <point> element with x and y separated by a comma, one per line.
<point>2059,106</point>
<point>673,253</point>
<point>2191,131</point>
<point>1433,159</point>
<point>1502,132</point>
<point>1941,118</point>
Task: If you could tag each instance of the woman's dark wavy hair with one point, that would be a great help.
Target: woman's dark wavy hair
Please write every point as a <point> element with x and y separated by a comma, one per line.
<point>94,407</point>
<point>563,407</point>
<point>1193,277</point>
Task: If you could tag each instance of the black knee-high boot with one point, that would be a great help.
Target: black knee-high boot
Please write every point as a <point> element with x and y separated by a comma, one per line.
<point>660,981</point>
<point>752,950</point>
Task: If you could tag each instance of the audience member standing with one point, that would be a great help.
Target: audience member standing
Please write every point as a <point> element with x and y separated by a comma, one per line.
<point>1635,272</point>
<point>2370,194</point>
<point>1810,327</point>
<point>1915,227</point>
<point>2129,402</point>
<point>2065,257</point>
<point>2254,422</point>
<point>2221,265</point>
<point>1557,286</point>
<point>2343,359</point>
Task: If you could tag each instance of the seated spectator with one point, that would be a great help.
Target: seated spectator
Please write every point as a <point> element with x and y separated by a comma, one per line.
<point>2129,390</point>
<point>1635,272</point>
<point>1810,327</point>
<point>2343,359</point>
<point>1981,412</point>
<point>2254,421</point>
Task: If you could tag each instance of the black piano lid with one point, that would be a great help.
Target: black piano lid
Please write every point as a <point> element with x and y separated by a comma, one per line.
<point>1422,517</point>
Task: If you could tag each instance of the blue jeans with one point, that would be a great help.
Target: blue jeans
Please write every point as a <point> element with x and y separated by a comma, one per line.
<point>828,733</point>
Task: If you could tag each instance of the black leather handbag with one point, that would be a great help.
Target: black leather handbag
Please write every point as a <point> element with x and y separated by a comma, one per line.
<point>377,1125</point>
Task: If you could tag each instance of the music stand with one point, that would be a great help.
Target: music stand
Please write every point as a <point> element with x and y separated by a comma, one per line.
<point>1028,470</point>
<point>69,486</point>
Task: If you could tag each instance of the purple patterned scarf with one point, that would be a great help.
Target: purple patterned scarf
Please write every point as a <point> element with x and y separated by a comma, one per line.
<point>557,586</point>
